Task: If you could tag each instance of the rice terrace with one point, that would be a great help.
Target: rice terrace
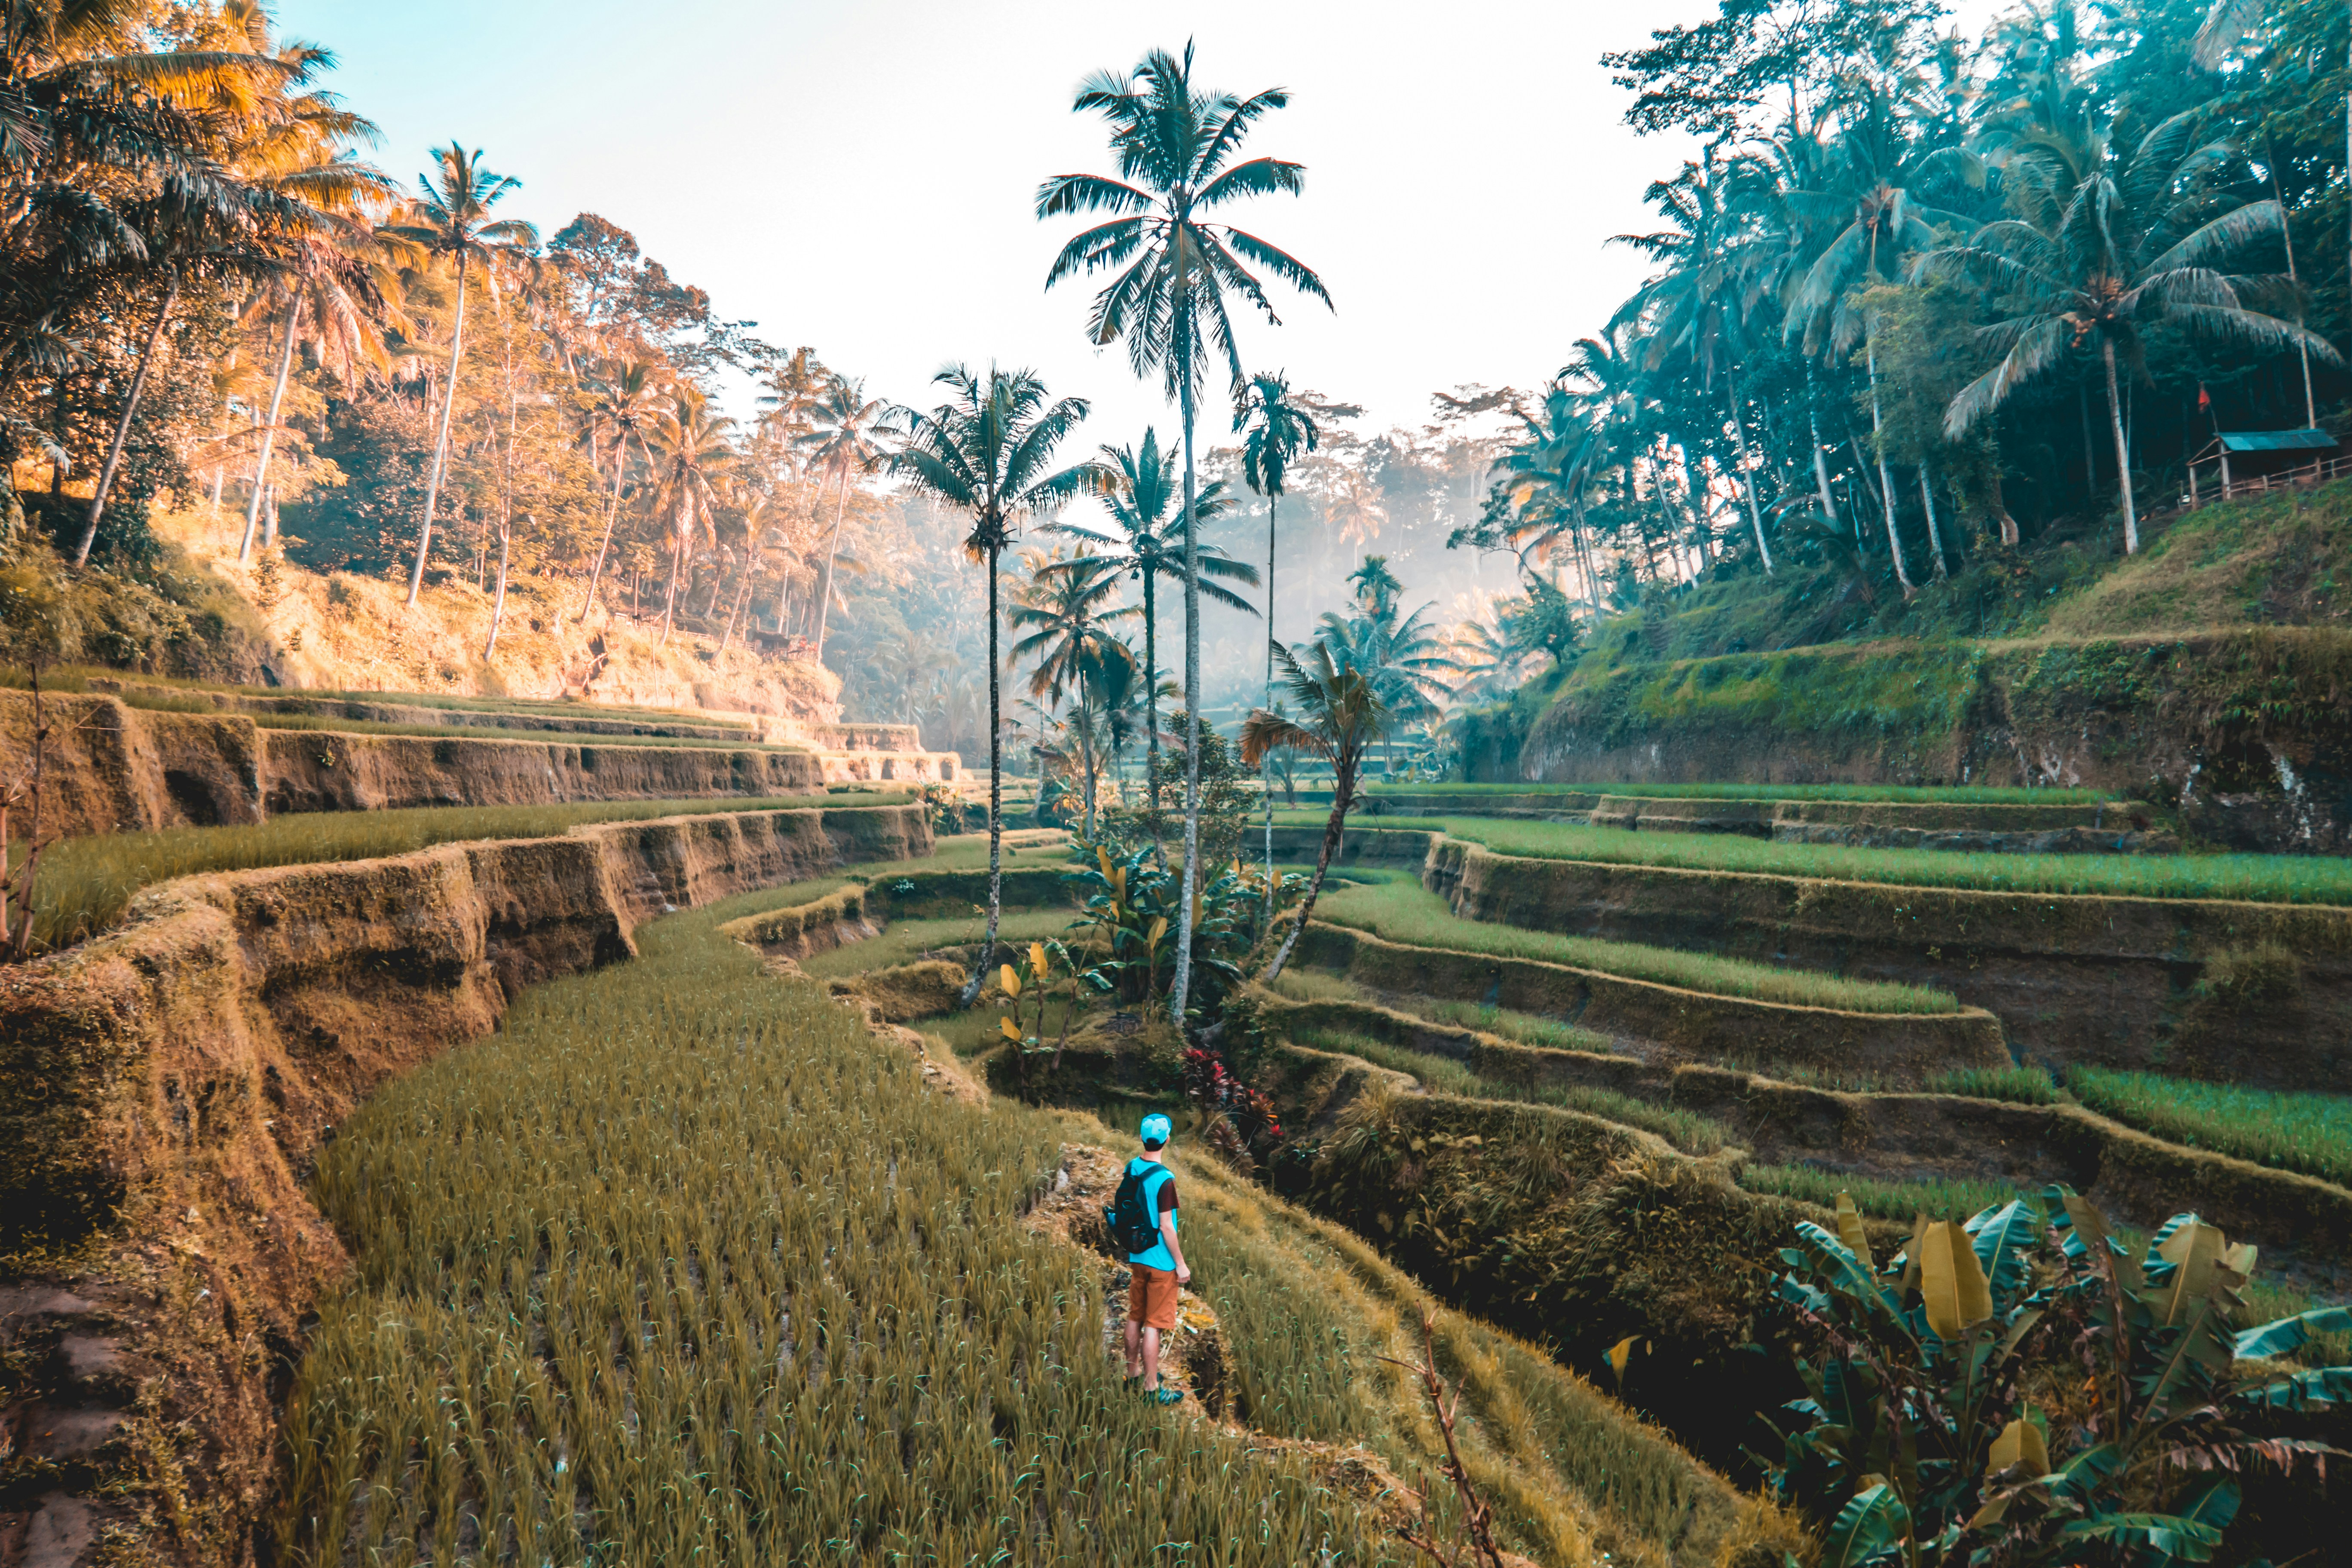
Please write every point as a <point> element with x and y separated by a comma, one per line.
<point>1318,787</point>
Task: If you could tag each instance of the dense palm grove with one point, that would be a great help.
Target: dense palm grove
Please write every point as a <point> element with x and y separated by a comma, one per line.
<point>1922,300</point>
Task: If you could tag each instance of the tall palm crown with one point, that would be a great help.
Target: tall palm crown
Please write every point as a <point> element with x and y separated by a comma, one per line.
<point>1172,270</point>
<point>624,396</point>
<point>842,440</point>
<point>1067,614</point>
<point>1148,546</point>
<point>451,220</point>
<point>989,451</point>
<point>694,453</point>
<point>1275,429</point>
<point>2105,246</point>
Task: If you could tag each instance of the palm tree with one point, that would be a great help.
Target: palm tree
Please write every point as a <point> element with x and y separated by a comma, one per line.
<point>693,450</point>
<point>2104,244</point>
<point>1545,474</point>
<point>332,300</point>
<point>795,388</point>
<point>1066,614</point>
<point>1400,658</point>
<point>986,451</point>
<point>1277,430</point>
<point>1149,545</point>
<point>840,441</point>
<point>1174,272</point>
<point>1339,715</point>
<point>623,398</point>
<point>452,219</point>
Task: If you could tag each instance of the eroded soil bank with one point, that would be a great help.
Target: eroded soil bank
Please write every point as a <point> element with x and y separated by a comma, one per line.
<point>162,1093</point>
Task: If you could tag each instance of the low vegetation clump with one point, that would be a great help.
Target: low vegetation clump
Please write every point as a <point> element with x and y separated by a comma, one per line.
<point>1401,910</point>
<point>1686,1130</point>
<point>682,1266</point>
<point>1952,795</point>
<point>2262,879</point>
<point>2291,1132</point>
<point>1933,1196</point>
<point>1526,1028</point>
<point>85,883</point>
<point>2019,1085</point>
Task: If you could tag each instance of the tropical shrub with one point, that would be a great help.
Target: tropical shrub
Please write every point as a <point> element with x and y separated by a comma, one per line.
<point>2022,1388</point>
<point>1130,892</point>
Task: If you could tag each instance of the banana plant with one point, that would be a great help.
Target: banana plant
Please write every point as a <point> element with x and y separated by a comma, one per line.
<point>1046,971</point>
<point>1128,911</point>
<point>1920,1441</point>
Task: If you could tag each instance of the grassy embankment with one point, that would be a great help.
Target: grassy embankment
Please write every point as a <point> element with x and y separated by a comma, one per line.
<point>682,1265</point>
<point>85,883</point>
<point>1906,794</point>
<point>2307,1132</point>
<point>77,677</point>
<point>1396,907</point>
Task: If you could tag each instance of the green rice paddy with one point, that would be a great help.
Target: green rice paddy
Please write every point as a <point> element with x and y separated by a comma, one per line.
<point>2307,1132</point>
<point>1956,795</point>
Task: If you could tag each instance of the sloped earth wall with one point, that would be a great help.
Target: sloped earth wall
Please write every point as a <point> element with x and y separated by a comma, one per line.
<point>164,1089</point>
<point>2246,735</point>
<point>2258,993</point>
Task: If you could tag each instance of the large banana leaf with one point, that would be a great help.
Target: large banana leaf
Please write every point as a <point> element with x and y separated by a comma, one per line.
<point>1871,1525</point>
<point>1951,1281</point>
<point>2179,1355</point>
<point>2195,1251</point>
<point>2321,1385</point>
<point>2172,1538</point>
<point>1845,1271</point>
<point>2288,1335</point>
<point>2004,1237</point>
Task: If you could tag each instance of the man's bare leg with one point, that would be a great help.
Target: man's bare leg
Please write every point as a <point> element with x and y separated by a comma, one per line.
<point>1150,1360</point>
<point>1134,1351</point>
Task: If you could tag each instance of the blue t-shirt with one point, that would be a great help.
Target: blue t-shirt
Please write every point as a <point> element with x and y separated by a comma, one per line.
<point>1159,1202</point>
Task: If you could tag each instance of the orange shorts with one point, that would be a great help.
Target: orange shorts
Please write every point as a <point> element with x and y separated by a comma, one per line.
<point>1152,1297</point>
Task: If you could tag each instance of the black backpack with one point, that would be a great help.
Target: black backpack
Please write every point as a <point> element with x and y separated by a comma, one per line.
<point>1133,1226</point>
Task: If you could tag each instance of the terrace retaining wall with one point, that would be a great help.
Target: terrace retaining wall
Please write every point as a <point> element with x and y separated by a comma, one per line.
<point>164,1088</point>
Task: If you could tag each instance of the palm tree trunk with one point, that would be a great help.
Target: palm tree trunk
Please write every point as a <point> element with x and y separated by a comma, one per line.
<point>1265,764</point>
<point>676,562</point>
<point>269,433</point>
<point>1887,480</point>
<point>995,799</point>
<point>742,597</point>
<point>1180,989</point>
<point>499,606</point>
<point>1748,480</point>
<point>1151,689</point>
<point>1343,784</point>
<point>2123,453</point>
<point>1820,460</point>
<point>441,441</point>
<point>824,584</point>
<point>130,406</point>
<point>1935,536</point>
<point>612,515</point>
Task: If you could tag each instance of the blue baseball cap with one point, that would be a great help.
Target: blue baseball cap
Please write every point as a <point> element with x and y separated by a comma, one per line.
<point>1157,1129</point>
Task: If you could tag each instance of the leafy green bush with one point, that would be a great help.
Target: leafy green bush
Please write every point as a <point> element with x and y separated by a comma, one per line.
<point>2025,1388</point>
<point>2307,1132</point>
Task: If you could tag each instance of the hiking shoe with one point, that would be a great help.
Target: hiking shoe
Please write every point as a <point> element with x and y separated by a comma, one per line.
<point>1165,1396</point>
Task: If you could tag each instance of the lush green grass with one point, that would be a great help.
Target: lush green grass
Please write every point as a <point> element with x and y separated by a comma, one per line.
<point>681,1266</point>
<point>905,941</point>
<point>1526,1028</point>
<point>2020,1086</point>
<point>1403,910</point>
<point>2307,1132</point>
<point>86,882</point>
<point>2265,878</point>
<point>1686,1130</point>
<point>1956,795</point>
<point>1936,1199</point>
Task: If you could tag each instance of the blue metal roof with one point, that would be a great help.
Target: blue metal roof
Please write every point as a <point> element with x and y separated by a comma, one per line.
<point>2278,441</point>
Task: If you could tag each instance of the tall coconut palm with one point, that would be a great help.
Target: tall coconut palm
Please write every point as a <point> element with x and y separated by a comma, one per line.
<point>2104,246</point>
<point>1401,659</point>
<point>1341,715</point>
<point>1148,546</point>
<point>624,397</point>
<point>693,452</point>
<point>842,440</point>
<point>1068,614</point>
<point>795,388</point>
<point>987,451</point>
<point>451,219</point>
<point>1275,429</point>
<point>1174,271</point>
<point>330,300</point>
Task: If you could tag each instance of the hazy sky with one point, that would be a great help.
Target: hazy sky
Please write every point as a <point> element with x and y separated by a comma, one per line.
<point>862,177</point>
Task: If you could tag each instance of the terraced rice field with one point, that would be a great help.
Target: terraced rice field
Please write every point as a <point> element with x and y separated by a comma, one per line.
<point>749,742</point>
<point>2307,1132</point>
<point>1955,795</point>
<point>1396,907</point>
<point>86,882</point>
<point>1313,985</point>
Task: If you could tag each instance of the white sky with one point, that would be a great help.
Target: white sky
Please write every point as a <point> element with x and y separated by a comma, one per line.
<point>861,177</point>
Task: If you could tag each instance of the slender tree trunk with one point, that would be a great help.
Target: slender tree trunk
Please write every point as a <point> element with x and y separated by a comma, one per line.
<point>498,605</point>
<point>2090,448</point>
<point>1151,689</point>
<point>995,799</point>
<point>612,515</point>
<point>1181,990</point>
<point>1935,536</point>
<point>2123,453</point>
<point>269,432</point>
<point>1748,480</point>
<point>676,563</point>
<point>742,597</point>
<point>1886,479</point>
<point>441,441</point>
<point>130,406</point>
<point>824,584</point>
<point>2286,234</point>
<point>1265,764</point>
<point>1820,458</point>
<point>1343,785</point>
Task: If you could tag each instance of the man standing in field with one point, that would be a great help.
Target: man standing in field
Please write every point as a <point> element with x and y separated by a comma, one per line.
<point>1142,1219</point>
